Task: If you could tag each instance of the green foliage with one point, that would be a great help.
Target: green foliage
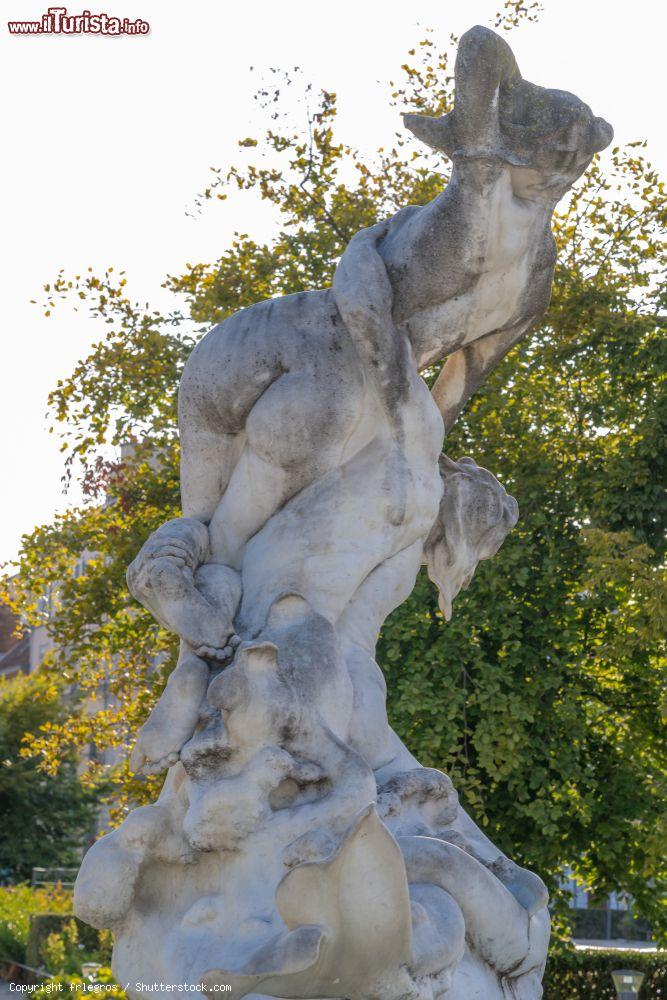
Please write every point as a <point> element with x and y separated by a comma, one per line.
<point>60,951</point>
<point>543,697</point>
<point>18,903</point>
<point>37,929</point>
<point>61,942</point>
<point>586,975</point>
<point>44,816</point>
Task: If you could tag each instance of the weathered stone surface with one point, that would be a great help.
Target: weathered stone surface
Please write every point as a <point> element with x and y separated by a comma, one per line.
<point>297,848</point>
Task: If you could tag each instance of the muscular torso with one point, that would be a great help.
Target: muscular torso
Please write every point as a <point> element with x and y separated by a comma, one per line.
<point>472,262</point>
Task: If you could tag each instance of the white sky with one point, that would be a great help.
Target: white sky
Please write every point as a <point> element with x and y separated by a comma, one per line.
<point>107,141</point>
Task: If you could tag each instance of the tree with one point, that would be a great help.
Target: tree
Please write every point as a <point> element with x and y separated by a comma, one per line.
<point>542,698</point>
<point>44,816</point>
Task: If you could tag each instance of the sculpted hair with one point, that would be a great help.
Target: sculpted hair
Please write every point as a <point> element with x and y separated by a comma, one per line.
<point>475,510</point>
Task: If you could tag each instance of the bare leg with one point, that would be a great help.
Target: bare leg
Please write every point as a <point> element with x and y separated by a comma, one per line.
<point>173,720</point>
<point>295,433</point>
<point>208,458</point>
<point>382,590</point>
<point>256,490</point>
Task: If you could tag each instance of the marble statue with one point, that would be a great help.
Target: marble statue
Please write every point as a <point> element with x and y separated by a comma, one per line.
<point>297,848</point>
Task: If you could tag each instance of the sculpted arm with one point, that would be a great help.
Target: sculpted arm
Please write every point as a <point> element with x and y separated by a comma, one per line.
<point>364,297</point>
<point>466,369</point>
<point>484,64</point>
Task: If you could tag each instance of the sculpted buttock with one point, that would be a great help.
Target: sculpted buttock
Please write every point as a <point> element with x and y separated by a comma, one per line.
<point>297,848</point>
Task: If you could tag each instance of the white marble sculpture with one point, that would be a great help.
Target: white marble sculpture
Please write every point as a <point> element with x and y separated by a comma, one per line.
<point>297,848</point>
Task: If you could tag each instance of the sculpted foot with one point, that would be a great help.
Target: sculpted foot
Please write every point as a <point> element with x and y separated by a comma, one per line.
<point>160,740</point>
<point>150,768</point>
<point>198,601</point>
<point>219,655</point>
<point>172,722</point>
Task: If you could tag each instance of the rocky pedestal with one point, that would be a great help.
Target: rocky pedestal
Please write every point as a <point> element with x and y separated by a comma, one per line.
<point>297,849</point>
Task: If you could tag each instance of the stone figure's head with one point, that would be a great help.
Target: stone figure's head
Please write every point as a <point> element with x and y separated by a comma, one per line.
<point>292,674</point>
<point>476,513</point>
<point>548,137</point>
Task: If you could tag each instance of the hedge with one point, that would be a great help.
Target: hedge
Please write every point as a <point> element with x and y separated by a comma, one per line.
<point>43,924</point>
<point>18,904</point>
<point>586,975</point>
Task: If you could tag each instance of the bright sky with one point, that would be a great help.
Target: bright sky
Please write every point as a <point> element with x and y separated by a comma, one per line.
<point>108,140</point>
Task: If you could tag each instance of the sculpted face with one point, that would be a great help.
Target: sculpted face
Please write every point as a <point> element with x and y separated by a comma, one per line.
<point>547,137</point>
<point>476,514</point>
